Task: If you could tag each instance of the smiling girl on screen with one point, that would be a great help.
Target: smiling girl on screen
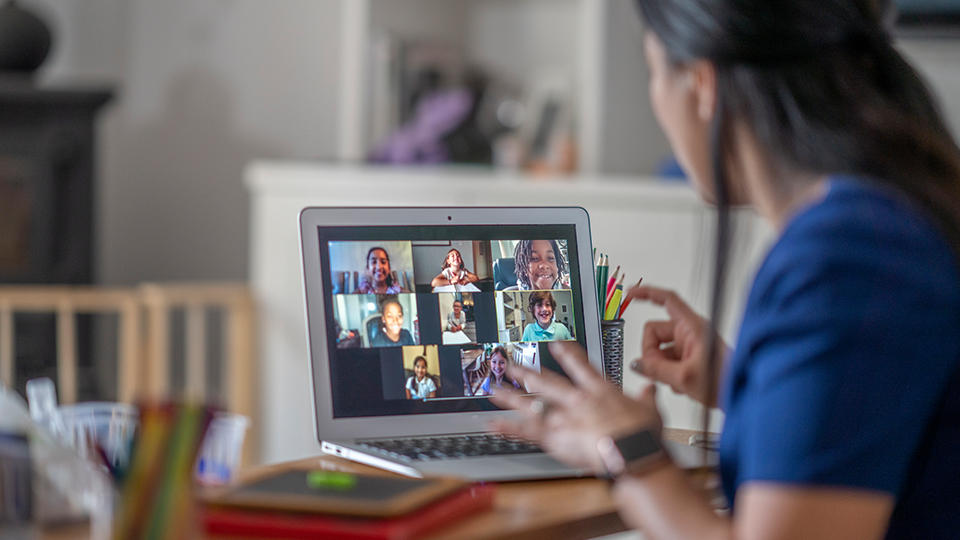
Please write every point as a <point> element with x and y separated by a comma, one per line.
<point>453,274</point>
<point>391,333</point>
<point>540,265</point>
<point>421,385</point>
<point>498,374</point>
<point>377,278</point>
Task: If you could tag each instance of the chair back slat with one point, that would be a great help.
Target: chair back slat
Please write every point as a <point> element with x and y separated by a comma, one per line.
<point>67,352</point>
<point>6,343</point>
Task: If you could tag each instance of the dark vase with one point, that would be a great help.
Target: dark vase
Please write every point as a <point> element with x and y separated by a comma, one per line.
<point>24,39</point>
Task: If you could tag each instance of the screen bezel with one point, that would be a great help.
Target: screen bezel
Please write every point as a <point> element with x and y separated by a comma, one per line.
<point>339,429</point>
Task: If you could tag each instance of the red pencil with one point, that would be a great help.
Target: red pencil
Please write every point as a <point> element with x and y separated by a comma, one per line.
<point>612,282</point>
<point>627,303</point>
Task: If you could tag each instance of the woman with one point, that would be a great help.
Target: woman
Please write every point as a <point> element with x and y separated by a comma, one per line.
<point>421,385</point>
<point>544,328</point>
<point>540,265</point>
<point>842,398</point>
<point>391,332</point>
<point>453,276</point>
<point>378,278</point>
<point>498,378</point>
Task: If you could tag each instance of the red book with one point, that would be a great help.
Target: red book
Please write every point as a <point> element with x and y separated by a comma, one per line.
<point>239,522</point>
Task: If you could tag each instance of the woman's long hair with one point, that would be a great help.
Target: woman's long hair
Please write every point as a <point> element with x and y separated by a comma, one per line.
<point>824,92</point>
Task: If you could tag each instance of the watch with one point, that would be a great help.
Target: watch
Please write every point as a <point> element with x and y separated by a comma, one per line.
<point>635,453</point>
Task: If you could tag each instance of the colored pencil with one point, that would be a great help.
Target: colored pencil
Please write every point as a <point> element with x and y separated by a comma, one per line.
<point>627,303</point>
<point>602,282</point>
<point>606,303</point>
<point>612,282</point>
<point>614,304</point>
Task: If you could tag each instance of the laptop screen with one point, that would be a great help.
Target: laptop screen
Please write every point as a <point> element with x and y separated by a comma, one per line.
<point>424,319</point>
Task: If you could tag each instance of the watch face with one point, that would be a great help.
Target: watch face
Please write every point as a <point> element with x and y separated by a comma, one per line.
<point>637,446</point>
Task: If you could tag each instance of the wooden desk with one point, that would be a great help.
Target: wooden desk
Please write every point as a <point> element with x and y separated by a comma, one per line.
<point>568,509</point>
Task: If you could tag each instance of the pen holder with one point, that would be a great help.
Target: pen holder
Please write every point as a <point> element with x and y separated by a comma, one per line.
<point>611,334</point>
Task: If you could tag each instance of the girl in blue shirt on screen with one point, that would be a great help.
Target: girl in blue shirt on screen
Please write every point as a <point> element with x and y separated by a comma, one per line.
<point>842,395</point>
<point>498,378</point>
<point>544,328</point>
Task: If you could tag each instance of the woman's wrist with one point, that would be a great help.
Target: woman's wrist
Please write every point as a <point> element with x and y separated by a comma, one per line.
<point>632,453</point>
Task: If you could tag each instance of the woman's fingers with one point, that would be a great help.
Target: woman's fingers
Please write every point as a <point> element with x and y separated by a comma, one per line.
<point>573,359</point>
<point>675,306</point>
<point>679,375</point>
<point>523,429</point>
<point>655,334</point>
<point>553,386</point>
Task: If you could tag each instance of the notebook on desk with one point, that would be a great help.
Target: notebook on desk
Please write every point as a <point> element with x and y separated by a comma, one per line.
<point>386,288</point>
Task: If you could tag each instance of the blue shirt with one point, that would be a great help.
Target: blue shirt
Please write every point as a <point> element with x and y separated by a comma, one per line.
<point>555,332</point>
<point>846,367</point>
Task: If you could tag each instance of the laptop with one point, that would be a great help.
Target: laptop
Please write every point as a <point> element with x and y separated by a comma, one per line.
<point>412,315</point>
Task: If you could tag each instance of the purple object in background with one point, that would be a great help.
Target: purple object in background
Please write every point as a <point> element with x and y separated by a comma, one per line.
<point>421,140</point>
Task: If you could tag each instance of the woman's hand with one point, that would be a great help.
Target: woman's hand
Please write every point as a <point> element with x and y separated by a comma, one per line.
<point>568,418</point>
<point>675,351</point>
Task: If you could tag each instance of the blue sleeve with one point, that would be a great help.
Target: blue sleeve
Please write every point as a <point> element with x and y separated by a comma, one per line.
<point>847,343</point>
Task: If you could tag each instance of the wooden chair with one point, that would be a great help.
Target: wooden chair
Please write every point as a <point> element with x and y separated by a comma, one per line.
<point>67,301</point>
<point>144,359</point>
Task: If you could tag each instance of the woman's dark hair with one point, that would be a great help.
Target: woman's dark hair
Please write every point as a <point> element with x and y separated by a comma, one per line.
<point>824,92</point>
<point>541,297</point>
<point>524,252</point>
<point>389,280</point>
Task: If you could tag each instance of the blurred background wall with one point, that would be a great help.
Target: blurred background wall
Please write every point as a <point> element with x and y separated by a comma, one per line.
<point>206,85</point>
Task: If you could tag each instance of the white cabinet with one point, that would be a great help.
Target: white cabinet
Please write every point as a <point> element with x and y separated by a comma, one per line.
<point>587,50</point>
<point>652,229</point>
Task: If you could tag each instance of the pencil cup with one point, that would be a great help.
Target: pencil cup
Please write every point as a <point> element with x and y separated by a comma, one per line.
<point>611,333</point>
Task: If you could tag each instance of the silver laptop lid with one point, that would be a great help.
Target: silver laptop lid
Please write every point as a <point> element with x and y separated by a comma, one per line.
<point>410,311</point>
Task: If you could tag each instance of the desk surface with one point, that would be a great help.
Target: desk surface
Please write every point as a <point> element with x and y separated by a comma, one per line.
<point>571,509</point>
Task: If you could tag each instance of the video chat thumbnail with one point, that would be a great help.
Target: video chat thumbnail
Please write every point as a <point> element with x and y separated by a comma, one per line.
<point>535,316</point>
<point>529,265</point>
<point>484,367</point>
<point>452,266</point>
<point>421,366</point>
<point>372,320</point>
<point>457,321</point>
<point>371,267</point>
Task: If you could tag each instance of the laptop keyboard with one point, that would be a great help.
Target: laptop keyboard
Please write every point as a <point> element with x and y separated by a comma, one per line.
<point>453,447</point>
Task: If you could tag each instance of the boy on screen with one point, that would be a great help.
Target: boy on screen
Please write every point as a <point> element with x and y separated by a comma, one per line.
<point>544,328</point>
